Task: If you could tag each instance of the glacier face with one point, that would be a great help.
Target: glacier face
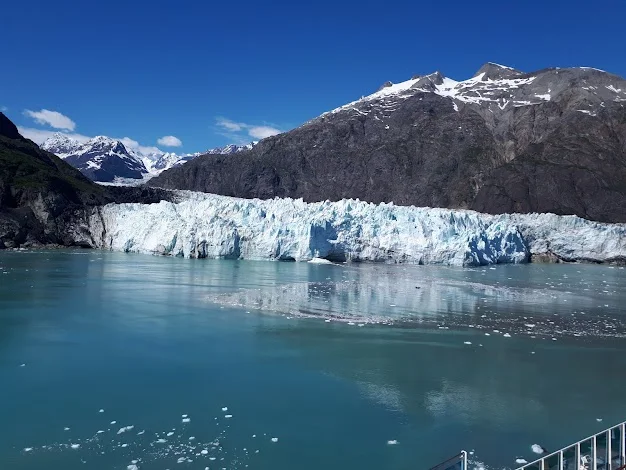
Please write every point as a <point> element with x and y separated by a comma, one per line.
<point>202,225</point>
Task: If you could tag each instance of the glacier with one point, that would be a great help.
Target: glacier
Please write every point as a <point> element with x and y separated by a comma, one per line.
<point>199,225</point>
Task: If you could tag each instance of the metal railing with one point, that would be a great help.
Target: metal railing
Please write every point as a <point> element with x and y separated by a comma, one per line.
<point>605,450</point>
<point>458,462</point>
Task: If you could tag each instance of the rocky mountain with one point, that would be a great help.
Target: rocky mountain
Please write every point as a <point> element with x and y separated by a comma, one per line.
<point>104,159</point>
<point>553,140</point>
<point>44,200</point>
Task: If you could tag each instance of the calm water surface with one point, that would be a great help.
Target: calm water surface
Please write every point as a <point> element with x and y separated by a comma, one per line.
<point>111,360</point>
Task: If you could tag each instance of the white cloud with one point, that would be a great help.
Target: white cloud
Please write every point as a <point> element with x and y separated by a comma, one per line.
<point>137,147</point>
<point>261,132</point>
<point>236,130</point>
<point>40,135</point>
<point>170,141</point>
<point>52,119</point>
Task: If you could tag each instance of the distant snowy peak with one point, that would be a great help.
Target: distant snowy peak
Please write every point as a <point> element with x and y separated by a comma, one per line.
<point>499,88</point>
<point>101,158</point>
<point>61,145</point>
<point>168,160</point>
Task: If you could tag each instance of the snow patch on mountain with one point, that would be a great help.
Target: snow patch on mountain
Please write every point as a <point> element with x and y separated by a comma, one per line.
<point>210,226</point>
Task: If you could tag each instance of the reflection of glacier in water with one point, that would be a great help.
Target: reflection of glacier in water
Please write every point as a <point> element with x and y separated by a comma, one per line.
<point>545,301</point>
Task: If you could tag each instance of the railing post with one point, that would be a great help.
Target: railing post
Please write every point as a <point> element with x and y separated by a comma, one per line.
<point>561,460</point>
<point>594,453</point>
<point>578,456</point>
<point>622,447</point>
<point>464,459</point>
<point>608,451</point>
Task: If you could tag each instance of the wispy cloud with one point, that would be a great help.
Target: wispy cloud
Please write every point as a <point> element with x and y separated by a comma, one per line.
<point>51,118</point>
<point>170,141</point>
<point>4,109</point>
<point>242,132</point>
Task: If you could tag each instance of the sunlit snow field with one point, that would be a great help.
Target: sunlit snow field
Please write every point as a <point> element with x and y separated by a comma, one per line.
<point>124,361</point>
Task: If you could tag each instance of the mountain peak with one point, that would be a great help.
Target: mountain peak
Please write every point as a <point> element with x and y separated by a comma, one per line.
<point>7,128</point>
<point>493,71</point>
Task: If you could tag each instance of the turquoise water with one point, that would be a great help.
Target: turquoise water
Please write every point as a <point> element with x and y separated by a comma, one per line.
<point>332,361</point>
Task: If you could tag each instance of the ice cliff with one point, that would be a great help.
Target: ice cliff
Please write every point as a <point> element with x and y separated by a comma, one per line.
<point>210,226</point>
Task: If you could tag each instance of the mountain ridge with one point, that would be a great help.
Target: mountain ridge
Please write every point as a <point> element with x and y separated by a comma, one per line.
<point>502,141</point>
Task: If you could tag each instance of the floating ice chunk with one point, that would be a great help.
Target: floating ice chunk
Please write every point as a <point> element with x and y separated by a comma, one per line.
<point>224,408</point>
<point>392,442</point>
<point>22,365</point>
<point>28,449</point>
<point>161,441</point>
<point>123,429</point>
<point>211,458</point>
<point>113,422</point>
<point>192,438</point>
<point>100,432</point>
<point>599,420</point>
<point>75,446</point>
<point>181,459</point>
<point>141,433</point>
<point>319,261</point>
<point>124,445</point>
<point>204,451</point>
<point>101,411</point>
<point>228,416</point>
<point>487,334</point>
<point>66,429</point>
<point>186,420</point>
<point>274,439</point>
<point>184,416</point>
<point>506,335</point>
<point>170,434</point>
<point>521,461</point>
<point>529,325</point>
<point>254,435</point>
<point>537,449</point>
<point>132,466</point>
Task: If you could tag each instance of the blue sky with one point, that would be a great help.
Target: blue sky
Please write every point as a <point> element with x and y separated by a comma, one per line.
<point>212,73</point>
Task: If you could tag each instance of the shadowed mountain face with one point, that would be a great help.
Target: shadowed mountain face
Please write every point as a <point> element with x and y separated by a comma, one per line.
<point>502,141</point>
<point>44,200</point>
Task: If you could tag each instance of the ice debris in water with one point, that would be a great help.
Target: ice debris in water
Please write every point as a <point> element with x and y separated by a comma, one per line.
<point>224,408</point>
<point>274,439</point>
<point>537,449</point>
<point>186,420</point>
<point>467,342</point>
<point>101,411</point>
<point>184,416</point>
<point>161,441</point>
<point>599,420</point>
<point>132,466</point>
<point>506,335</point>
<point>521,461</point>
<point>125,428</point>
<point>22,365</point>
<point>211,226</point>
<point>228,416</point>
<point>66,429</point>
<point>392,442</point>
<point>75,446</point>
<point>28,449</point>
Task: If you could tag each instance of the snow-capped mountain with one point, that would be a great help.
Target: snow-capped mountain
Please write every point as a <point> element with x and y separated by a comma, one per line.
<point>61,145</point>
<point>101,159</point>
<point>107,160</point>
<point>503,140</point>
